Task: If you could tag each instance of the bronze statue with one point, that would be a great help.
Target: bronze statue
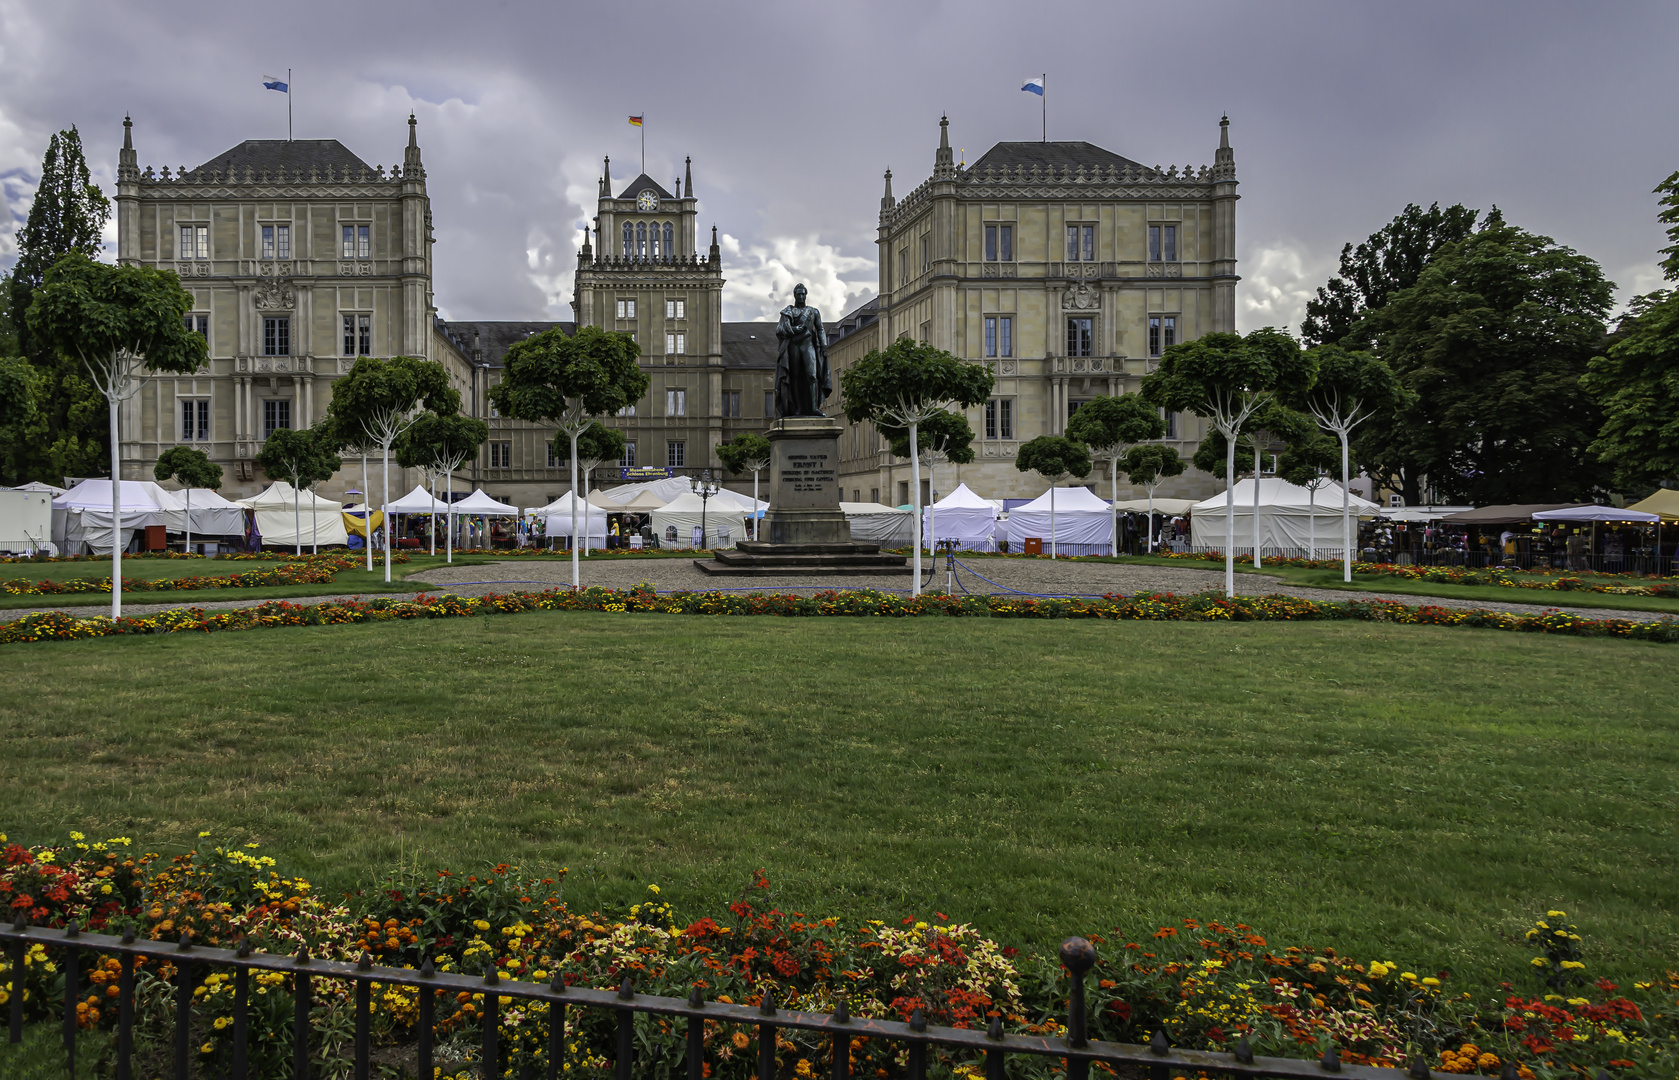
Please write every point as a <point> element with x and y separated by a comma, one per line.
<point>802,378</point>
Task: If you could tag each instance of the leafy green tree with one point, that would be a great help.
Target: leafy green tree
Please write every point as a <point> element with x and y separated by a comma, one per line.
<point>598,444</point>
<point>1108,425</point>
<point>11,343</point>
<point>17,391</point>
<point>570,381</point>
<point>441,444</point>
<point>1053,457</point>
<point>1351,388</point>
<point>747,452</point>
<point>1637,386</point>
<point>118,322</point>
<point>902,387</point>
<point>1148,465</point>
<point>191,468</point>
<point>944,436</point>
<point>378,400</point>
<point>301,459</point>
<point>1227,378</point>
<point>68,215</point>
<point>1669,191</point>
<point>1493,340</point>
<point>1390,260</point>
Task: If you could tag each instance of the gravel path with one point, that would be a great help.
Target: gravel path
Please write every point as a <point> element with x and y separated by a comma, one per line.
<point>1029,576</point>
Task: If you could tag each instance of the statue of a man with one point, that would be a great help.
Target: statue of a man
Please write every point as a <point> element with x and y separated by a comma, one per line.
<point>802,378</point>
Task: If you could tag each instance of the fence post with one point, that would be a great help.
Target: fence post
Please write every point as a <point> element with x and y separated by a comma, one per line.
<point>1080,957</point>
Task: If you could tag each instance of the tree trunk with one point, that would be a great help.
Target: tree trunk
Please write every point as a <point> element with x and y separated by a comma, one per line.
<point>1052,519</point>
<point>1346,512</point>
<point>576,569</point>
<point>914,500</point>
<point>116,515</point>
<point>314,523</point>
<point>449,517</point>
<point>189,519</point>
<point>1230,513</point>
<point>385,504</point>
<point>1114,494</point>
<point>433,516</point>
<point>1256,540</point>
<point>1151,488</point>
<point>1311,522</point>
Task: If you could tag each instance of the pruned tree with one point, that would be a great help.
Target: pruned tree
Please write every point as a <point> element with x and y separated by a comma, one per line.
<point>747,452</point>
<point>1227,378</point>
<point>1148,465</point>
<point>302,459</point>
<point>443,444</point>
<point>598,444</point>
<point>1350,388</point>
<point>117,322</point>
<point>346,437</point>
<point>1053,457</point>
<point>901,387</point>
<point>570,381</point>
<point>1108,425</point>
<point>944,436</point>
<point>379,399</point>
<point>191,468</point>
<point>1306,463</point>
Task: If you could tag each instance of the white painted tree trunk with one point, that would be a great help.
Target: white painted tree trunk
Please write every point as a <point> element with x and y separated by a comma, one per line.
<point>1346,512</point>
<point>449,516</point>
<point>385,503</point>
<point>366,514</point>
<point>915,499</point>
<point>189,519</point>
<point>1256,538</point>
<point>576,567</point>
<point>116,512</point>
<point>1230,513</point>
<point>1114,496</point>
<point>433,518</point>
<point>1312,522</point>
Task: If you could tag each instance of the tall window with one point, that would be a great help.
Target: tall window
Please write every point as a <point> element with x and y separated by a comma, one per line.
<point>999,418</point>
<point>1171,419</point>
<point>629,240</point>
<point>1073,406</point>
<point>676,309</point>
<point>626,309</point>
<point>1162,333</point>
<point>276,241</point>
<point>641,239</point>
<point>926,253</point>
<point>731,403</point>
<point>654,248</point>
<point>903,266</point>
<point>276,414</point>
<point>999,335</point>
<point>676,403</point>
<point>358,241</point>
<point>276,335</point>
<point>199,324</point>
<point>1163,243</point>
<point>769,402</point>
<point>501,455</point>
<point>1080,338</point>
<point>676,454</point>
<point>195,419</point>
<point>999,243</point>
<point>553,458</point>
<point>669,251</point>
<point>627,410</point>
<point>628,458</point>
<point>358,335</point>
<point>195,241</point>
<point>676,344</point>
<point>1081,243</point>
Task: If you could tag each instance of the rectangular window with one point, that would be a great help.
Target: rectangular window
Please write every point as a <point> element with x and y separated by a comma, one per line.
<point>1080,337</point>
<point>1154,243</point>
<point>627,410</point>
<point>676,454</point>
<point>874,495</point>
<point>676,344</point>
<point>1162,243</point>
<point>991,419</point>
<point>903,266</point>
<point>1170,241</point>
<point>1005,418</point>
<point>628,460</point>
<point>553,458</point>
<point>276,414</point>
<point>1073,406</point>
<point>1162,333</point>
<point>276,335</point>
<point>990,243</point>
<point>1171,419</point>
<point>195,242</point>
<point>1005,335</point>
<point>501,455</point>
<point>990,336</point>
<point>676,403</point>
<point>199,324</point>
<point>358,335</point>
<point>358,241</point>
<point>676,309</point>
<point>769,402</point>
<point>926,257</point>
<point>626,309</point>
<point>195,419</point>
<point>276,241</point>
<point>927,332</point>
<point>1081,243</point>
<point>1005,236</point>
<point>731,403</point>
<point>1169,331</point>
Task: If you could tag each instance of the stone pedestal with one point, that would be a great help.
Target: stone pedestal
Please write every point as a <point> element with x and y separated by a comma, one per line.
<point>804,531</point>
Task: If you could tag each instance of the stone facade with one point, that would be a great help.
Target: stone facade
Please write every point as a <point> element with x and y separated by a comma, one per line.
<point>1067,270</point>
<point>300,257</point>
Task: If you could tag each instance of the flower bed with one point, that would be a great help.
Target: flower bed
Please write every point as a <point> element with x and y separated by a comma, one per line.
<point>300,570</point>
<point>1197,607</point>
<point>1205,985</point>
<point>1562,580</point>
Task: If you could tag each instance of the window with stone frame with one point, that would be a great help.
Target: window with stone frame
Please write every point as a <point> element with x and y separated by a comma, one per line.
<point>628,458</point>
<point>501,455</point>
<point>1171,419</point>
<point>731,404</point>
<point>1081,243</point>
<point>195,242</point>
<point>676,402</point>
<point>276,241</point>
<point>1081,336</point>
<point>195,419</point>
<point>676,454</point>
<point>999,335</point>
<point>626,308</point>
<point>357,241</point>
<point>199,324</point>
<point>276,414</point>
<point>999,418</point>
<point>358,335</point>
<point>999,242</point>
<point>1162,333</point>
<point>1162,243</point>
<point>676,309</point>
<point>676,344</point>
<point>276,335</point>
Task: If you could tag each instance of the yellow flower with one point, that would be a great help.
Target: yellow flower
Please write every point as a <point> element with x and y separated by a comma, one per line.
<point>480,924</point>
<point>654,889</point>
<point>207,1048</point>
<point>1572,965</point>
<point>77,836</point>
<point>1539,961</point>
<point>202,835</point>
<point>1431,981</point>
<point>1556,914</point>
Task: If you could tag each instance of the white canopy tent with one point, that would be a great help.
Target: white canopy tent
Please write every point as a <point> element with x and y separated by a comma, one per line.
<point>1420,513</point>
<point>644,502</point>
<point>1162,507</point>
<point>1083,522</point>
<point>418,501</point>
<point>725,521</point>
<point>287,518</point>
<point>81,517</point>
<point>212,515</point>
<point>1291,518</point>
<point>556,518</point>
<point>1584,514</point>
<point>747,505</point>
<point>877,523</point>
<point>40,487</point>
<point>479,504</point>
<point>664,489</point>
<point>961,516</point>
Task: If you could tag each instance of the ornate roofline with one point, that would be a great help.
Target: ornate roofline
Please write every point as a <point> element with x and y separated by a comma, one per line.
<point>1067,182</point>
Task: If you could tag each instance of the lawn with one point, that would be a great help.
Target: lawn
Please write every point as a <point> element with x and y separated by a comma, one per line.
<point>1412,793</point>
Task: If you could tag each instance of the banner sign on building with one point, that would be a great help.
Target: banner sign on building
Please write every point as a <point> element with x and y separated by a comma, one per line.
<point>645,472</point>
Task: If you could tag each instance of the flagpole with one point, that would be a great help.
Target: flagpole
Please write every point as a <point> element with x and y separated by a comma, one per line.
<point>288,104</point>
<point>643,127</point>
<point>1043,100</point>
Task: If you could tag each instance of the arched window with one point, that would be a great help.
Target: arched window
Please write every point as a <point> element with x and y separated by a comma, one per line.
<point>669,250</point>
<point>629,240</point>
<point>641,239</point>
<point>657,251</point>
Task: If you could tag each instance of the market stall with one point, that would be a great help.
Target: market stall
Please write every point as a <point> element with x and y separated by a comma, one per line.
<point>961,516</point>
<point>1080,522</point>
<point>287,518</point>
<point>677,523</point>
<point>877,523</point>
<point>1293,521</point>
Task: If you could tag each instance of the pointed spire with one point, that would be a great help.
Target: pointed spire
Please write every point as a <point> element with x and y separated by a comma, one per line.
<point>688,176</point>
<point>1224,160</point>
<point>944,133</point>
<point>128,163</point>
<point>606,177</point>
<point>413,132</point>
<point>716,254</point>
<point>1224,132</point>
<point>887,202</point>
<point>944,163</point>
<point>411,166</point>
<point>679,187</point>
<point>127,132</point>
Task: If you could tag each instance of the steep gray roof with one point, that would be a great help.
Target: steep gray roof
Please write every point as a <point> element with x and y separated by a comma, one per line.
<point>495,338</point>
<point>749,344</point>
<point>642,183</point>
<point>276,154</point>
<point>1049,153</point>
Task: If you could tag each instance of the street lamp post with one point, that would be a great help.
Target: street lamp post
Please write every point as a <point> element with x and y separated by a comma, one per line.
<point>705,489</point>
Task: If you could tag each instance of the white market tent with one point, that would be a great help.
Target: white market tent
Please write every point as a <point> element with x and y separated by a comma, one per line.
<point>1290,518</point>
<point>1162,507</point>
<point>664,489</point>
<point>877,523</point>
<point>81,517</point>
<point>212,515</point>
<point>317,520</point>
<point>1421,513</point>
<point>683,514</point>
<point>418,501</point>
<point>38,486</point>
<point>746,504</point>
<point>1583,514</point>
<point>556,517</point>
<point>961,516</point>
<point>1083,522</point>
<point>645,502</point>
<point>479,504</point>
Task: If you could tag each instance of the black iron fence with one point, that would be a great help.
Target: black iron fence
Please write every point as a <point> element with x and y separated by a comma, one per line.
<point>1157,1061</point>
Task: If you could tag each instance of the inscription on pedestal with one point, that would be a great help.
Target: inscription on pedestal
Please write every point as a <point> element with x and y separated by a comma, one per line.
<point>808,472</point>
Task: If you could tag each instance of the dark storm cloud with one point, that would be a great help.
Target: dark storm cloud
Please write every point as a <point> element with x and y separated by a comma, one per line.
<point>1340,114</point>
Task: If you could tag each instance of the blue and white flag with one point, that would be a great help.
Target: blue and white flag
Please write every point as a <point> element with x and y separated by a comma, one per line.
<point>1034,86</point>
<point>269,82</point>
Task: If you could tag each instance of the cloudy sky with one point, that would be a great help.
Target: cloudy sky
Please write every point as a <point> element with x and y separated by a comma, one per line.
<point>1561,113</point>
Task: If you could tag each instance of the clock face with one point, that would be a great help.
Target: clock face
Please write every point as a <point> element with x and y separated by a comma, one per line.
<point>647,200</point>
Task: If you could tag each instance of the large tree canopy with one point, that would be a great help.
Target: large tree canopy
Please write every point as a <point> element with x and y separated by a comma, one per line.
<point>1637,387</point>
<point>596,443</point>
<point>550,377</point>
<point>747,452</point>
<point>1107,424</point>
<point>1391,259</point>
<point>189,467</point>
<point>945,434</point>
<point>1054,457</point>
<point>1492,340</point>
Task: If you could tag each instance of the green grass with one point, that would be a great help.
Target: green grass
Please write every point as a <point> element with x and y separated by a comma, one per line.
<point>40,1054</point>
<point>1411,792</point>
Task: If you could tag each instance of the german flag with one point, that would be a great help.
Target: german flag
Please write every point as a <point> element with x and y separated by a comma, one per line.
<point>635,121</point>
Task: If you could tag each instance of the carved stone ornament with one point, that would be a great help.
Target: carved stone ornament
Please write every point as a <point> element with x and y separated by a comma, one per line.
<point>273,294</point>
<point>1081,297</point>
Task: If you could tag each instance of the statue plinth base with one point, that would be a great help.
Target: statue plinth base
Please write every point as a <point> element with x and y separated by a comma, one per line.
<point>804,531</point>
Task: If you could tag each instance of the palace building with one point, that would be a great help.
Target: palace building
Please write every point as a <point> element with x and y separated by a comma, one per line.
<point>1064,268</point>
